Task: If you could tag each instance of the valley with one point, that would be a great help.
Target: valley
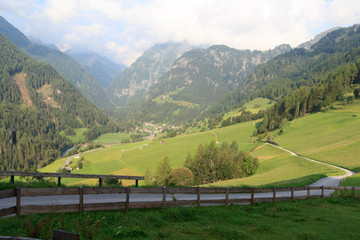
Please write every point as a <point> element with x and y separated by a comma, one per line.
<point>176,98</point>
<point>277,167</point>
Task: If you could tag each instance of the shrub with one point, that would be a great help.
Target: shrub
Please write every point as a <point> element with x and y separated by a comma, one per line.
<point>181,176</point>
<point>113,182</point>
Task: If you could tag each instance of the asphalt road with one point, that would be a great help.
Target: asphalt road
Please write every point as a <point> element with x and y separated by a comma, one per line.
<point>103,198</point>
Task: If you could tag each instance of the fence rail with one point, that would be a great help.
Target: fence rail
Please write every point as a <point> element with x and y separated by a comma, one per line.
<point>126,205</point>
<point>12,174</point>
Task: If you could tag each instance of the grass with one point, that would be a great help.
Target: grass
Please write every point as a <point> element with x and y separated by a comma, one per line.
<point>253,106</point>
<point>79,136</point>
<point>332,136</point>
<point>331,218</point>
<point>354,180</point>
<point>112,138</point>
<point>281,169</point>
<point>168,98</point>
<point>135,158</point>
<point>53,167</point>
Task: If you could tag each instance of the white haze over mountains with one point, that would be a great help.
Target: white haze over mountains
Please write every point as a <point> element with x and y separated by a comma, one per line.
<point>122,30</point>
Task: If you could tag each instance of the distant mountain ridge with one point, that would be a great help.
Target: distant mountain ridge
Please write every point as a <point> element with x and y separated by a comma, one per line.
<point>205,75</point>
<point>134,82</point>
<point>298,68</point>
<point>63,63</point>
<point>101,67</point>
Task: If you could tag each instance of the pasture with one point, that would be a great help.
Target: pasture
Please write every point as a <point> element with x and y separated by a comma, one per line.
<point>332,136</point>
<point>253,106</point>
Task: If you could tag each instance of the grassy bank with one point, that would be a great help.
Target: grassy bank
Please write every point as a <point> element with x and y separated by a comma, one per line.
<point>311,219</point>
<point>332,136</point>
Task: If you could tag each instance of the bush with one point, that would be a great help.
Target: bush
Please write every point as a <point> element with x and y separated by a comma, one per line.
<point>181,176</point>
<point>113,182</point>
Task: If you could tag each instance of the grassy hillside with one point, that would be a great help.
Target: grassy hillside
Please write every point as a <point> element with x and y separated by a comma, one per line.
<point>253,106</point>
<point>135,158</point>
<point>280,168</point>
<point>332,136</point>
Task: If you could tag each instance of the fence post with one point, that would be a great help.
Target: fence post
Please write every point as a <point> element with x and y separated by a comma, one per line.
<point>127,203</point>
<point>198,196</point>
<point>353,192</point>
<point>308,192</point>
<point>12,179</point>
<point>252,197</point>
<point>100,182</point>
<point>163,197</point>
<point>322,191</point>
<point>274,194</point>
<point>81,199</point>
<point>59,181</point>
<point>227,197</point>
<point>292,193</point>
<point>137,182</point>
<point>18,201</point>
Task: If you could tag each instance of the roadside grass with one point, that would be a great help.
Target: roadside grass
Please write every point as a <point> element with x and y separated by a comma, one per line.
<point>331,218</point>
<point>53,167</point>
<point>79,136</point>
<point>354,180</point>
<point>279,168</point>
<point>27,182</point>
<point>332,136</point>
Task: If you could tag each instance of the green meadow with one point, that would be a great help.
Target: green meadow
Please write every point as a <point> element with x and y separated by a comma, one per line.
<point>253,106</point>
<point>112,138</point>
<point>53,167</point>
<point>332,136</point>
<point>79,135</point>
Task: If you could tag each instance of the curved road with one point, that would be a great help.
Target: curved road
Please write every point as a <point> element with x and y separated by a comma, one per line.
<point>99,198</point>
<point>328,181</point>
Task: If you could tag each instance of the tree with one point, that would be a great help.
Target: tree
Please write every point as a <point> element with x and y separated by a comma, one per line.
<point>181,176</point>
<point>356,92</point>
<point>162,172</point>
<point>212,163</point>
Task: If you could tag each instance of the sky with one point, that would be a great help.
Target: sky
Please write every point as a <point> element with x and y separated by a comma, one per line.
<point>123,29</point>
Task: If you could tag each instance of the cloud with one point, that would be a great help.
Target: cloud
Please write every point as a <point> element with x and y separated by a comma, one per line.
<point>124,29</point>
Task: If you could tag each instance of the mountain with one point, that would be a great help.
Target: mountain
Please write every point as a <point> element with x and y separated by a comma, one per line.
<point>199,78</point>
<point>203,76</point>
<point>307,45</point>
<point>302,81</point>
<point>38,103</point>
<point>101,67</point>
<point>134,82</point>
<point>88,85</point>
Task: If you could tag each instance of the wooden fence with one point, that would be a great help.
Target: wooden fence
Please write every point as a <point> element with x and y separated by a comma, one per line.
<point>12,174</point>
<point>126,205</point>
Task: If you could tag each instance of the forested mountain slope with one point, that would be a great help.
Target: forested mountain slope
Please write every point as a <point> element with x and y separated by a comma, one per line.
<point>296,68</point>
<point>38,103</point>
<point>88,85</point>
